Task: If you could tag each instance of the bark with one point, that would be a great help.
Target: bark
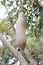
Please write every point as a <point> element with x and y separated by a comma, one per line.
<point>26,54</point>
<point>15,52</point>
<point>29,57</point>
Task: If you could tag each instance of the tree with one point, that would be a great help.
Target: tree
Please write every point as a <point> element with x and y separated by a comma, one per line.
<point>33,26</point>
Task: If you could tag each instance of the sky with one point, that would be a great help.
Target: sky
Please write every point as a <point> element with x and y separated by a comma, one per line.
<point>2,16</point>
<point>2,12</point>
<point>0,43</point>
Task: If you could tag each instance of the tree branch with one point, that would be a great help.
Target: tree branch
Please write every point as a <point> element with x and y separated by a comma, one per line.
<point>15,52</point>
<point>29,57</point>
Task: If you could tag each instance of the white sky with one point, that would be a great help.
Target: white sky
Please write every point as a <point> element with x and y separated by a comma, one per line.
<point>2,15</point>
<point>0,43</point>
<point>2,12</point>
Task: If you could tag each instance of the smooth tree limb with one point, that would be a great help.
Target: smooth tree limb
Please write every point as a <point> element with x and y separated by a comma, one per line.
<point>17,54</point>
<point>29,57</point>
<point>26,54</point>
